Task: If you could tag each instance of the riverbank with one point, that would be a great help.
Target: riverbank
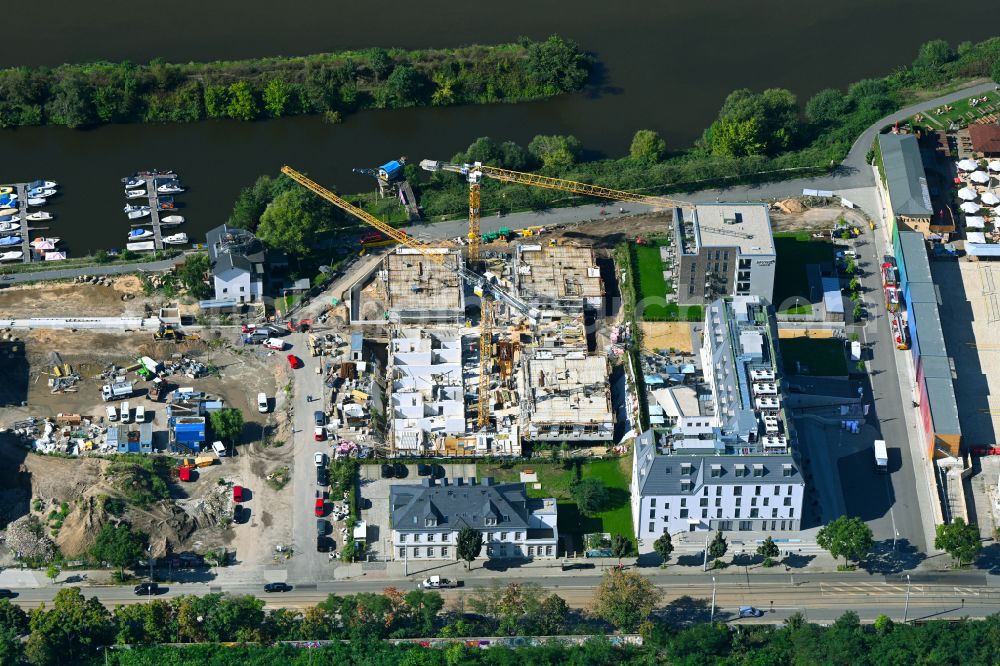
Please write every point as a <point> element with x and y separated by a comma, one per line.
<point>331,84</point>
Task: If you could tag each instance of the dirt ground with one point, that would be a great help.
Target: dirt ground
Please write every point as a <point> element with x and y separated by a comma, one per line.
<point>242,373</point>
<point>611,232</point>
<point>666,335</point>
<point>124,297</point>
<point>814,218</point>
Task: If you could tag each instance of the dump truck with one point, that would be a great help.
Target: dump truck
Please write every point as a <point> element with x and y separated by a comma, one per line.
<point>168,332</point>
<point>204,460</point>
<point>157,389</point>
<point>881,456</point>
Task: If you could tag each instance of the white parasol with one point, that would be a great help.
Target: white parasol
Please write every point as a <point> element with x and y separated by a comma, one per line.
<point>990,199</point>
<point>979,177</point>
<point>994,165</point>
<point>967,165</point>
<point>970,207</point>
<point>967,194</point>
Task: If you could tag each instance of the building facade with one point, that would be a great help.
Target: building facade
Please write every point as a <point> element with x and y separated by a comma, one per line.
<point>731,465</point>
<point>236,260</point>
<point>427,518</point>
<point>723,250</point>
<point>904,189</point>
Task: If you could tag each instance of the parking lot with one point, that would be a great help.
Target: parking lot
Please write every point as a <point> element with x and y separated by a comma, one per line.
<point>375,499</point>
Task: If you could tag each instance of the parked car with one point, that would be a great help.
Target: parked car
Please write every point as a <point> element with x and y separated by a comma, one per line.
<point>319,458</point>
<point>438,583</point>
<point>320,509</point>
<point>423,469</point>
<point>112,413</point>
<point>240,513</point>
<point>140,414</point>
<point>7,594</point>
<point>321,477</point>
<point>294,362</point>
<point>319,418</point>
<point>146,589</point>
<point>387,471</point>
<point>126,412</point>
<point>323,544</point>
<point>277,587</point>
<point>437,471</point>
<point>399,471</point>
<point>322,527</point>
<point>750,611</point>
<point>319,433</point>
<point>237,493</point>
<point>262,404</point>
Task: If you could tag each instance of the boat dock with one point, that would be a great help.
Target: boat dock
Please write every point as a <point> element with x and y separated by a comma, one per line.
<point>22,210</point>
<point>154,209</point>
<point>409,201</point>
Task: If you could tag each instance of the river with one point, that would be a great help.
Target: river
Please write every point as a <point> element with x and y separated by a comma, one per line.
<point>665,66</point>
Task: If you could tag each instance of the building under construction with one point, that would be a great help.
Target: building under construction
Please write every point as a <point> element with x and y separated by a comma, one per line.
<point>559,280</point>
<point>408,288</point>
<point>568,397</point>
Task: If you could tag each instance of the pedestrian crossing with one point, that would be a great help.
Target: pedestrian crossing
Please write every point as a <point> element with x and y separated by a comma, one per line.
<point>868,589</point>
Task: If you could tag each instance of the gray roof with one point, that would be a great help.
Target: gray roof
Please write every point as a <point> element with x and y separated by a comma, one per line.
<point>226,261</point>
<point>904,175</point>
<point>456,506</point>
<point>914,262</point>
<point>944,409</point>
<point>922,292</point>
<point>664,474</point>
<point>930,336</point>
<point>935,367</point>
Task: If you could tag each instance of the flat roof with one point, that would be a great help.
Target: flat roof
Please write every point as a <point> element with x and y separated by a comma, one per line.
<point>922,292</point>
<point>415,282</point>
<point>904,175</point>
<point>558,271</point>
<point>916,265</point>
<point>938,367</point>
<point>745,226</point>
<point>833,301</point>
<point>570,390</point>
<point>930,335</point>
<point>944,409</point>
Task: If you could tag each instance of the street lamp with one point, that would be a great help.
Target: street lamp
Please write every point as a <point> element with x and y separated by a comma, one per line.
<point>149,557</point>
<point>906,604</point>
<point>711,618</point>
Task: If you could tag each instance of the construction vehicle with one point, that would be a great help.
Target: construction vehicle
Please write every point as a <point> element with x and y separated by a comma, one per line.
<point>116,391</point>
<point>169,333</point>
<point>474,174</point>
<point>488,290</point>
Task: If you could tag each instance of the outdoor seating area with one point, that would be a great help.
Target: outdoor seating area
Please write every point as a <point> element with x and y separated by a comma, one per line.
<point>977,183</point>
<point>984,109</point>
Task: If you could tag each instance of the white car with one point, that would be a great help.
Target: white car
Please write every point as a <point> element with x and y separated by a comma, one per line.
<point>262,405</point>
<point>126,412</point>
<point>140,414</point>
<point>112,413</point>
<point>320,458</point>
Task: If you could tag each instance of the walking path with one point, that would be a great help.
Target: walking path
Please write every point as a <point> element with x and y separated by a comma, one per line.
<point>95,269</point>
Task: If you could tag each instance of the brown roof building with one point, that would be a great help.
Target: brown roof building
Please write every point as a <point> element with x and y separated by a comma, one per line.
<point>985,139</point>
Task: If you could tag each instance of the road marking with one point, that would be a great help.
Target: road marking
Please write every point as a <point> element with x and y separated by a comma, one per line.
<point>867,589</point>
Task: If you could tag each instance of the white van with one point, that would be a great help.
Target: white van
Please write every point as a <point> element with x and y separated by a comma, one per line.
<point>140,414</point>
<point>262,403</point>
<point>126,413</point>
<point>275,343</point>
<point>219,448</point>
<point>112,413</point>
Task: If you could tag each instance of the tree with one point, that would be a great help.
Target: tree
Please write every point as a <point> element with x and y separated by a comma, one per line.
<point>590,495</point>
<point>550,620</point>
<point>403,87</point>
<point>216,101</point>
<point>276,96</point>
<point>558,65</point>
<point>846,537</point>
<point>293,221</point>
<point>625,599</point>
<point>647,146</point>
<point>242,104</point>
<point>192,275</point>
<point>620,546</point>
<point>933,55</point>
<point>768,550</point>
<point>70,632</point>
<point>995,72</point>
<point>958,539</point>
<point>737,138</point>
<point>145,623</point>
<point>380,63</point>
<point>854,283</point>
<point>663,547</point>
<point>71,102</point>
<point>119,546</point>
<point>555,151</point>
<point>469,545</point>
<point>52,572</point>
<point>718,546</point>
<point>857,312</point>
<point>826,107</point>
<point>227,424</point>
<point>754,123</point>
<point>850,266</point>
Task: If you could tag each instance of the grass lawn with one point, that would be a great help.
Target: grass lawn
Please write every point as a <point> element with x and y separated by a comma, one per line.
<point>652,285</point>
<point>556,478</point>
<point>795,250</point>
<point>823,357</point>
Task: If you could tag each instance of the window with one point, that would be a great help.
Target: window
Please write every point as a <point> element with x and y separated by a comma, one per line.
<point>402,538</point>
<point>430,552</point>
<point>518,536</point>
<point>402,552</point>
<point>746,525</point>
<point>718,491</point>
<point>753,501</point>
<point>430,522</point>
<point>786,470</point>
<point>225,290</point>
<point>791,513</point>
<point>716,470</point>
<point>684,501</point>
<point>491,520</point>
<point>718,513</point>
<point>685,468</point>
<point>744,264</point>
<point>737,490</point>
<point>444,551</point>
<point>737,513</point>
<point>686,485</point>
<point>789,490</point>
<point>416,538</point>
<point>788,501</point>
<point>652,526</point>
<point>774,513</point>
<point>777,490</point>
<point>531,551</point>
<point>739,501</point>
<point>548,550</point>
<point>756,490</point>
<point>684,513</point>
<point>416,552</point>
<point>754,513</point>
<point>704,491</point>
<point>725,525</point>
<point>704,513</point>
<point>503,536</point>
<point>652,513</point>
<point>242,289</point>
<point>718,501</point>
<point>703,502</point>
<point>765,500</point>
<point>758,470</point>
<point>741,470</point>
<point>652,502</point>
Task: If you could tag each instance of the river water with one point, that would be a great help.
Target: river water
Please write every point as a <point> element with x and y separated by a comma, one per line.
<point>665,65</point>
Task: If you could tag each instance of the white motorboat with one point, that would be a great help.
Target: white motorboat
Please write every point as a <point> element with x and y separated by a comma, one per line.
<point>172,219</point>
<point>11,256</point>
<point>37,201</point>
<point>43,243</point>
<point>135,194</point>
<point>39,215</point>
<point>133,181</point>
<point>41,192</point>
<point>8,211</point>
<point>169,188</point>
<point>141,245</point>
<point>137,214</point>
<point>131,207</point>
<point>176,239</point>
<point>55,255</point>
<point>138,234</point>
<point>9,226</point>
<point>43,184</point>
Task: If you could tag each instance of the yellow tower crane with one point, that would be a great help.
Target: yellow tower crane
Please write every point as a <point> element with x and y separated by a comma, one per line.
<point>489,291</point>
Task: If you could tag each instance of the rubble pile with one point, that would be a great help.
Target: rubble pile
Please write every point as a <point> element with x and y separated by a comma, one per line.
<point>26,538</point>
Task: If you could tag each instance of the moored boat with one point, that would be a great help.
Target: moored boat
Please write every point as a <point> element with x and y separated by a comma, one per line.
<point>7,241</point>
<point>41,192</point>
<point>39,215</point>
<point>10,218</point>
<point>5,189</point>
<point>9,226</point>
<point>55,255</point>
<point>136,214</point>
<point>172,219</point>
<point>43,240</point>
<point>11,256</point>
<point>43,184</point>
<point>8,211</point>
<point>176,239</point>
<point>133,181</point>
<point>141,245</point>
<point>169,188</point>
<point>137,234</point>
<point>7,200</point>
<point>135,194</point>
<point>37,201</point>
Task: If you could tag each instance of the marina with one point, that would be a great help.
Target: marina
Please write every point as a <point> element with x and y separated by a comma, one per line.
<point>156,188</point>
<point>15,219</point>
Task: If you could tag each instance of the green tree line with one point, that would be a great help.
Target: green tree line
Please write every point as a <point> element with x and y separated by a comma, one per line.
<point>76,630</point>
<point>79,95</point>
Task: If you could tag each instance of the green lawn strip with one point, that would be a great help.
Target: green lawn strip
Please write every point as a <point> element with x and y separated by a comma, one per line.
<point>822,357</point>
<point>794,250</point>
<point>556,478</point>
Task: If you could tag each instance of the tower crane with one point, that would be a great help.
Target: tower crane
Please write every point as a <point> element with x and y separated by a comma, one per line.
<point>489,291</point>
<point>476,171</point>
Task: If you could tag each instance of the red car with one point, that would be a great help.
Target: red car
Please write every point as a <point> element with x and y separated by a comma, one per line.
<point>237,493</point>
<point>320,507</point>
<point>294,361</point>
<point>319,434</point>
<point>986,451</point>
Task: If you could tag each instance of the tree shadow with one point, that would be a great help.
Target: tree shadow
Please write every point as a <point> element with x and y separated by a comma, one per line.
<point>885,560</point>
<point>686,610</point>
<point>691,560</point>
<point>797,560</point>
<point>989,559</point>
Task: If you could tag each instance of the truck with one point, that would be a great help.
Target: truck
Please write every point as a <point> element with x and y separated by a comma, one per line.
<point>156,390</point>
<point>881,456</point>
<point>855,350</point>
<point>275,343</point>
<point>438,583</point>
<point>116,391</point>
